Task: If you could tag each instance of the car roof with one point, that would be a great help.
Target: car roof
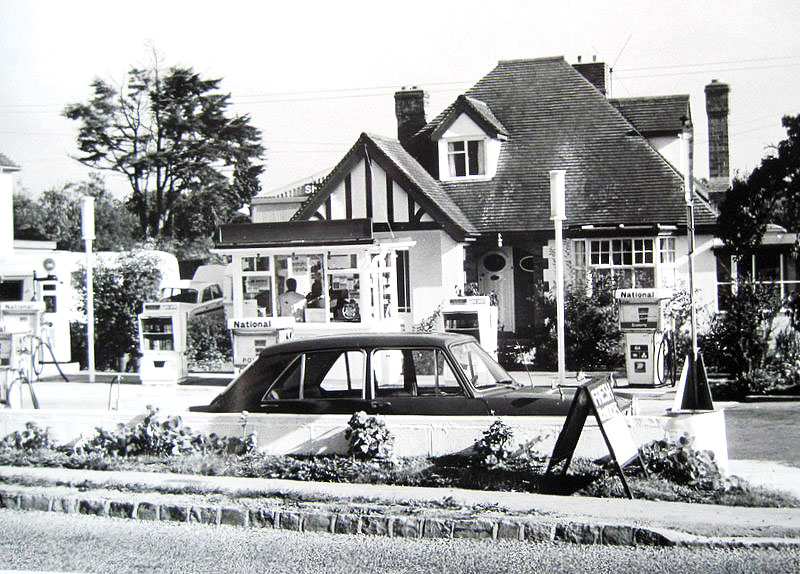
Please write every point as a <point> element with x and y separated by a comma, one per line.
<point>368,340</point>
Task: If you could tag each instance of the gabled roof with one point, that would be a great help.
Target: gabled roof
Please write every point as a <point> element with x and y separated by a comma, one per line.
<point>556,119</point>
<point>7,165</point>
<point>480,113</point>
<point>659,115</point>
<point>406,171</point>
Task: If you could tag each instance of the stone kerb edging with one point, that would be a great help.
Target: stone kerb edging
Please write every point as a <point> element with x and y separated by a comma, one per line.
<point>335,519</point>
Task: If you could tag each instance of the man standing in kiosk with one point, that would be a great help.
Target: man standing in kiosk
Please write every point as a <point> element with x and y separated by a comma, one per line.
<point>290,302</point>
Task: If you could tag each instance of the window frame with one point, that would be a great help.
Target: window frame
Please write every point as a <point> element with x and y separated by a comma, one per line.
<point>479,157</point>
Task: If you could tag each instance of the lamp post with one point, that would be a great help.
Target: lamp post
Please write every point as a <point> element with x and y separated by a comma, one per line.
<point>87,233</point>
<point>558,215</point>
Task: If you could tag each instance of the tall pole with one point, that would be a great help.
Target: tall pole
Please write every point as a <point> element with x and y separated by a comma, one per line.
<point>558,215</point>
<point>87,231</point>
<point>688,196</point>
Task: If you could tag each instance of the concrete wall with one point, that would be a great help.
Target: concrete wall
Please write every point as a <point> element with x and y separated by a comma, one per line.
<point>415,435</point>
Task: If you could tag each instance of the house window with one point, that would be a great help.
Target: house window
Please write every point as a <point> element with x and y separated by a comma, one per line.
<point>767,267</point>
<point>465,158</point>
<point>403,283</point>
<point>666,249</point>
<point>627,263</point>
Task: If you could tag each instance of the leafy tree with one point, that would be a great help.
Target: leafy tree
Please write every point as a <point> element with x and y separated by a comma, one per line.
<point>169,134</point>
<point>121,286</point>
<point>770,194</point>
<point>56,216</point>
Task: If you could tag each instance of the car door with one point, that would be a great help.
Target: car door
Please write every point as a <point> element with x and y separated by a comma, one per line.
<point>320,382</point>
<point>419,381</point>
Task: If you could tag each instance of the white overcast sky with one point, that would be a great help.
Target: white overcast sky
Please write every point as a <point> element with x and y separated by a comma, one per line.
<point>314,75</point>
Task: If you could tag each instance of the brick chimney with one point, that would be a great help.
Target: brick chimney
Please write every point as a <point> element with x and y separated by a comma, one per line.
<point>596,73</point>
<point>718,160</point>
<point>409,108</point>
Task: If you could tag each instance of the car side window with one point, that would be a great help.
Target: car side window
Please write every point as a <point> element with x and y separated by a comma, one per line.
<point>434,375</point>
<point>287,384</point>
<point>413,372</point>
<point>345,377</point>
<point>324,374</point>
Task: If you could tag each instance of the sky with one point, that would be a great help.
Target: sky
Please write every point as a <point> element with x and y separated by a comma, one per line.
<point>313,75</point>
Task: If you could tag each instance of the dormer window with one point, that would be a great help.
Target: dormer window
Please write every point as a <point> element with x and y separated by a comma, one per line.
<point>466,158</point>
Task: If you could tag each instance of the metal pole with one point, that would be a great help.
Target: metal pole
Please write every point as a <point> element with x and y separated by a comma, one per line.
<point>87,230</point>
<point>558,215</point>
<point>688,195</point>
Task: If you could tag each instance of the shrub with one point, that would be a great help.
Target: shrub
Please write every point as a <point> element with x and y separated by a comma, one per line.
<point>208,345</point>
<point>739,338</point>
<point>120,289</point>
<point>32,438</point>
<point>680,463</point>
<point>156,437</point>
<point>369,438</point>
<point>495,448</point>
<point>593,339</point>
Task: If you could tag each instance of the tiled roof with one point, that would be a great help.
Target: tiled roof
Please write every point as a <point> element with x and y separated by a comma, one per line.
<point>427,191</point>
<point>556,119</point>
<point>655,115</point>
<point>7,163</point>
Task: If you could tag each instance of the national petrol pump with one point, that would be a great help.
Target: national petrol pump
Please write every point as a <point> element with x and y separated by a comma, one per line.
<point>20,323</point>
<point>641,320</point>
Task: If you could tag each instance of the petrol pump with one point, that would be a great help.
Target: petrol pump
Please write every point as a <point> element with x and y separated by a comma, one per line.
<point>641,319</point>
<point>253,334</point>
<point>474,316</point>
<point>162,342</point>
<point>19,324</point>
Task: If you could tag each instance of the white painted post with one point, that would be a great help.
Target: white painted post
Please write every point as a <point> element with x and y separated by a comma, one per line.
<point>87,232</point>
<point>558,215</point>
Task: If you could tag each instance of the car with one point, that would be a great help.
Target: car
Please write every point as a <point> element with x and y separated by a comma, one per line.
<point>389,373</point>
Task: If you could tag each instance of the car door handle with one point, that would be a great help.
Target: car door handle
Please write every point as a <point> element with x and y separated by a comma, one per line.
<point>379,404</point>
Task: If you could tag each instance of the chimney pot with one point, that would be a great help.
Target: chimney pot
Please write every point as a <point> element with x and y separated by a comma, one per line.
<point>409,109</point>
<point>718,149</point>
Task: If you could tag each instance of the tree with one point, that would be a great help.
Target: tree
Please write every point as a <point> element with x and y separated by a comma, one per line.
<point>56,216</point>
<point>120,289</point>
<point>169,134</point>
<point>770,194</point>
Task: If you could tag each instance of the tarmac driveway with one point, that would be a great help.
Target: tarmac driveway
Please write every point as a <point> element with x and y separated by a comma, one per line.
<point>767,431</point>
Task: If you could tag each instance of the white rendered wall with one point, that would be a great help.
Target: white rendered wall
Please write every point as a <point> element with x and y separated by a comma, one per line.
<point>414,435</point>
<point>6,213</point>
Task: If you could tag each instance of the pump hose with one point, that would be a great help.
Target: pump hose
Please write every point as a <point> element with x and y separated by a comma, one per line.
<point>22,380</point>
<point>39,352</point>
<point>661,359</point>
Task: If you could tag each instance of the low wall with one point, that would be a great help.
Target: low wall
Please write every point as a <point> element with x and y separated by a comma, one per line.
<point>415,435</point>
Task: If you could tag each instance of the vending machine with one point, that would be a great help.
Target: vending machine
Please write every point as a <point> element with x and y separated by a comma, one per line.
<point>162,342</point>
<point>474,315</point>
<point>641,320</point>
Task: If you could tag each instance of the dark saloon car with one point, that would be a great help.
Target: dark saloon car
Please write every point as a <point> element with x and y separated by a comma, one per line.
<point>398,373</point>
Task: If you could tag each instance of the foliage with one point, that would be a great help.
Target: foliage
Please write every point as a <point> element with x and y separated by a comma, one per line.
<point>495,448</point>
<point>209,345</point>
<point>368,438</point>
<point>33,437</point>
<point>684,475</point>
<point>593,339</point>
<point>155,437</point>
<point>56,216</point>
<point>168,132</point>
<point>121,287</point>
<point>682,464</point>
<point>770,194</point>
<point>738,340</point>
<point>429,324</point>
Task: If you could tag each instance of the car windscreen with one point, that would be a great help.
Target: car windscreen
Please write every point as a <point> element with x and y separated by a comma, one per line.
<point>481,370</point>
